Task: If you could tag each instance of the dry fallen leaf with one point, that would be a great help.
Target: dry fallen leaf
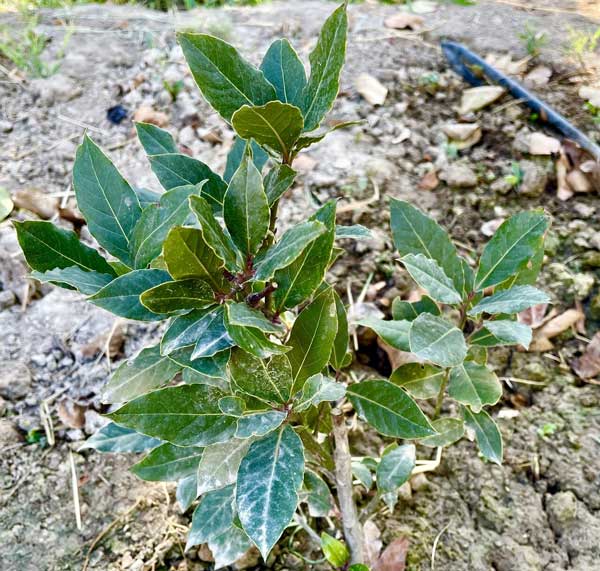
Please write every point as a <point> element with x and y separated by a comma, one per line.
<point>71,414</point>
<point>36,201</point>
<point>394,556</point>
<point>146,114</point>
<point>588,365</point>
<point>463,135</point>
<point>404,20</point>
<point>541,339</point>
<point>477,98</point>
<point>98,344</point>
<point>534,316</point>
<point>373,542</point>
<point>429,181</point>
<point>578,181</point>
<point>371,89</point>
<point>540,144</point>
<point>538,76</point>
<point>563,191</point>
<point>506,64</point>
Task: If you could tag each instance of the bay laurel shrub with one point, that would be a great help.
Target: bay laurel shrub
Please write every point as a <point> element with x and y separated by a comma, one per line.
<point>240,402</point>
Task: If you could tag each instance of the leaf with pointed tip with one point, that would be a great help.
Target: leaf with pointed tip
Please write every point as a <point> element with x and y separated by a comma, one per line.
<point>298,281</point>
<point>487,434</point>
<point>309,140</point>
<point>236,154</point>
<point>269,381</point>
<point>475,385</point>
<point>362,473</point>
<point>274,125</point>
<point>186,415</point>
<point>213,516</point>
<point>146,196</point>
<point>434,339</point>
<point>409,311</point>
<point>318,389</point>
<point>85,282</point>
<point>145,372</point>
<point>168,463</point>
<point>502,332</point>
<point>48,247</point>
<point>114,438</point>
<point>220,463</point>
<point>511,300</point>
<point>245,316</point>
<point>287,249</point>
<point>229,546</point>
<point>213,234</point>
<point>246,209</point>
<point>422,381</point>
<point>254,341</point>
<point>186,492</point>
<point>431,277</point>
<point>416,233</point>
<point>268,483</point>
<point>395,468</point>
<point>511,248</point>
<point>259,423</point>
<point>122,295</point>
<point>339,353</point>
<point>326,61</point>
<point>156,221</point>
<point>334,550</point>
<point>388,409</point>
<point>316,495</point>
<point>312,337</point>
<point>156,141</point>
<point>354,232</point>
<point>108,204</point>
<point>226,80</point>
<point>209,371</point>
<point>214,337</point>
<point>450,430</point>
<point>278,180</point>
<point>394,333</point>
<point>179,295</point>
<point>284,70</point>
<point>187,255</point>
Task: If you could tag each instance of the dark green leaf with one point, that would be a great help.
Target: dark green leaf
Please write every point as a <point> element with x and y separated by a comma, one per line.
<point>220,463</point>
<point>395,469</point>
<point>363,474</point>
<point>234,406</point>
<point>259,423</point>
<point>236,154</point>
<point>156,141</point>
<point>388,409</point>
<point>107,202</point>
<point>213,516</point>
<point>334,550</point>
<point>173,297</point>
<point>145,372</point>
<point>317,495</point>
<point>394,333</point>
<point>284,70</point>
<point>186,415</point>
<point>85,282</point>
<point>254,341</point>
<point>309,140</point>
<point>278,180</point>
<point>450,431</point>
<point>243,315</point>
<point>229,546</point>
<point>488,436</point>
<point>409,311</point>
<point>340,344</point>
<point>209,371</point>
<point>186,492</point>
<point>434,339</point>
<point>115,438</point>
<point>420,380</point>
<point>326,61</point>
<point>512,300</point>
<point>168,463</point>
<point>502,332</point>
<point>431,277</point>
<point>511,248</point>
<point>268,483</point>
<point>122,295</point>
<point>475,385</point>
<point>318,389</point>
<point>47,247</point>
<point>146,196</point>
<point>354,232</point>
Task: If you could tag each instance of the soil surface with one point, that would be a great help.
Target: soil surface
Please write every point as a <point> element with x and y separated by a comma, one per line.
<point>539,511</point>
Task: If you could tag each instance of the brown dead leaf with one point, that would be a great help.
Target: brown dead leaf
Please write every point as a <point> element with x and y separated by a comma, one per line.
<point>540,144</point>
<point>429,181</point>
<point>538,76</point>
<point>477,98</point>
<point>588,365</point>
<point>578,181</point>
<point>71,414</point>
<point>563,191</point>
<point>534,316</point>
<point>541,339</point>
<point>146,114</point>
<point>396,356</point>
<point>404,20</point>
<point>36,201</point>
<point>99,343</point>
<point>373,543</point>
<point>394,556</point>
<point>371,89</point>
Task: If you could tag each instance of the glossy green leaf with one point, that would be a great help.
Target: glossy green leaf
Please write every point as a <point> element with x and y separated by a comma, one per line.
<point>208,371</point>
<point>220,463</point>
<point>394,333</point>
<point>394,469</point>
<point>512,300</point>
<point>213,234</point>
<point>85,282</point>
<point>298,281</point>
<point>318,389</point>
<point>187,255</point>
<point>363,474</point>
<point>213,338</point>
<point>317,495</point>
<point>450,430</point>
<point>422,381</point>
<point>309,140</point>
<point>246,209</point>
<point>475,385</point>
<point>284,70</point>
<point>186,492</point>
<point>236,154</point>
<point>232,405</point>
<point>268,483</point>
<point>243,315</point>
<point>156,141</point>
<point>254,341</point>
<point>175,296</point>
<point>155,222</point>
<point>487,434</point>
<point>529,274</point>
<point>502,332</point>
<point>107,202</point>
<point>269,381</point>
<point>122,295</point>
<point>213,516</point>
<point>229,546</point>
<point>434,339</point>
<point>278,180</point>
<point>287,249</point>
<point>47,247</point>
<point>148,370</point>
<point>431,277</point>
<point>511,248</point>
<point>312,337</point>
<point>339,351</point>
<point>259,423</point>
<point>388,409</point>
<point>334,550</point>
<point>168,463</point>
<point>146,196</point>
<point>186,415</point>
<point>354,232</point>
<point>409,311</point>
<point>416,233</point>
<point>226,80</point>
<point>326,61</point>
<point>115,438</point>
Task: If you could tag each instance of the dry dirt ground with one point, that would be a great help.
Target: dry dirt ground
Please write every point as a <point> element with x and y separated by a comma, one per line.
<point>540,511</point>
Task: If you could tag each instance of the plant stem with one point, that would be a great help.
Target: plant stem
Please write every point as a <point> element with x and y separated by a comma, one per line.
<point>440,397</point>
<point>353,531</point>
